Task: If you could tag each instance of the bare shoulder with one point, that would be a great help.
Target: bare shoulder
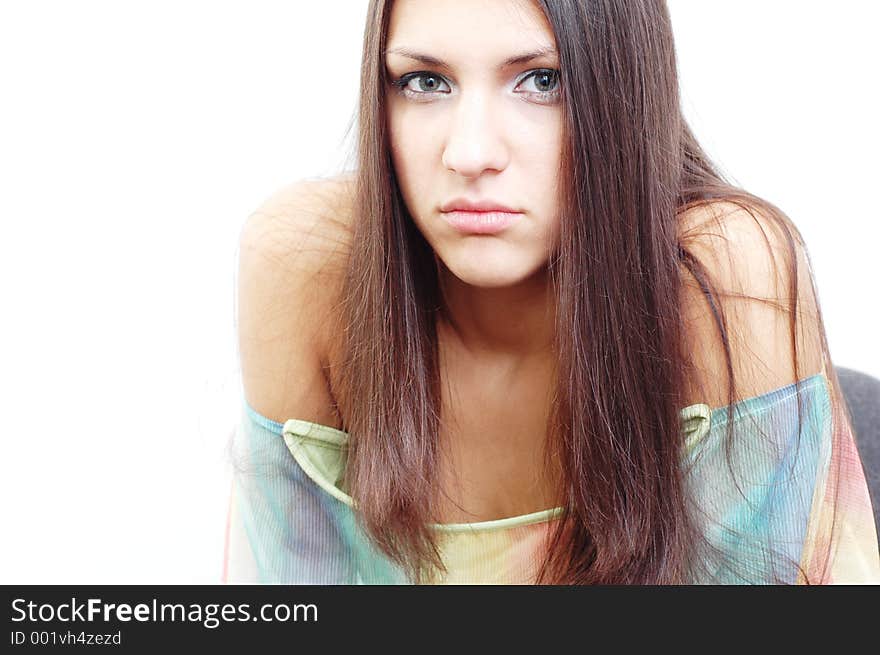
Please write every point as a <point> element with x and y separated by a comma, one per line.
<point>753,262</point>
<point>293,253</point>
<point>308,215</point>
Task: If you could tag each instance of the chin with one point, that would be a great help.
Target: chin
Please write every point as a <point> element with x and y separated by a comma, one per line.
<point>484,274</point>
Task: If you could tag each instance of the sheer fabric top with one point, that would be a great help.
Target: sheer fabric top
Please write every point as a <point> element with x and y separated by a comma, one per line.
<point>792,485</point>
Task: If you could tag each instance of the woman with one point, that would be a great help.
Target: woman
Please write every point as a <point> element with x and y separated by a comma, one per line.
<point>535,337</point>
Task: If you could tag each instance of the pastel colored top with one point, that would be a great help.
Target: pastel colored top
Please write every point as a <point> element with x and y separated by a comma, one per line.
<point>290,520</point>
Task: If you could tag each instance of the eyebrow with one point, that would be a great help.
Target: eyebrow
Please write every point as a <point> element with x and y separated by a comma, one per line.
<point>433,61</point>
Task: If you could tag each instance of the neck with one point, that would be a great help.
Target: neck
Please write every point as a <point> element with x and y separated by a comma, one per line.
<point>515,322</point>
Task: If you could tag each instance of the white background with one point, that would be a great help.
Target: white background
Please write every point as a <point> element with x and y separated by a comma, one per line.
<point>135,138</point>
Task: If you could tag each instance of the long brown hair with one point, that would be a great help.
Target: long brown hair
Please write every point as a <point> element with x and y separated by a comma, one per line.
<point>630,168</point>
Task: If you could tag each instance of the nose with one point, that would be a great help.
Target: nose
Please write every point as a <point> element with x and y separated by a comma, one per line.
<point>475,142</point>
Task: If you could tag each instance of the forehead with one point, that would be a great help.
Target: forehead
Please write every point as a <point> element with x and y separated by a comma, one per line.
<point>468,32</point>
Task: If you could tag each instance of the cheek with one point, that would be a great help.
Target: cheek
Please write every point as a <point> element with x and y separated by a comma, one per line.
<point>536,157</point>
<point>417,180</point>
<point>541,179</point>
<point>543,150</point>
<point>408,153</point>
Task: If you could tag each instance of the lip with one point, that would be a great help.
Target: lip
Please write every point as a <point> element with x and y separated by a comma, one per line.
<point>467,205</point>
<point>481,222</point>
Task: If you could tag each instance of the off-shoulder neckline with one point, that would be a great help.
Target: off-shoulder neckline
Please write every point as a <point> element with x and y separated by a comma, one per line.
<point>299,434</point>
<point>769,397</point>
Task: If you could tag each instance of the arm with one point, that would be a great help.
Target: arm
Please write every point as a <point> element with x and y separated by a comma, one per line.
<point>280,528</point>
<point>776,479</point>
<point>292,256</point>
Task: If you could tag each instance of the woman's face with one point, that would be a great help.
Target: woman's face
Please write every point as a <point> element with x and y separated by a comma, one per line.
<point>471,127</point>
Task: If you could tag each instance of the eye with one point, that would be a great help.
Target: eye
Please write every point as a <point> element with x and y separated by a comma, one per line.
<point>426,85</point>
<point>546,80</point>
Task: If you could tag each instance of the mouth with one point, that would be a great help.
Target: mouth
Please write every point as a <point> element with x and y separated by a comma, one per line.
<point>470,205</point>
<point>481,222</point>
